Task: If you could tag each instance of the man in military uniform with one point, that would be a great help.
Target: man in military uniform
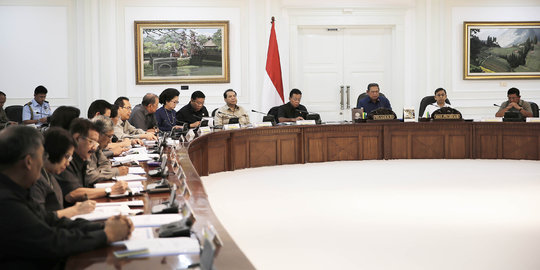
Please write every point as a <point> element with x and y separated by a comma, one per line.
<point>37,110</point>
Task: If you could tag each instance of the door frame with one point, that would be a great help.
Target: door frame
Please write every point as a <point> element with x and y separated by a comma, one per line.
<point>394,19</point>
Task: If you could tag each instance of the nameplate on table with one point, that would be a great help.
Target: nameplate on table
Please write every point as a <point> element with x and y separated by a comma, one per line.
<point>451,116</point>
<point>205,130</point>
<point>306,122</point>
<point>231,126</point>
<point>263,124</point>
<point>378,117</point>
<point>533,120</point>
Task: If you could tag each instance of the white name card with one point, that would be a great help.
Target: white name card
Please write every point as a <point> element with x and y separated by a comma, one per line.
<point>305,122</point>
<point>231,126</point>
<point>205,130</point>
<point>263,124</point>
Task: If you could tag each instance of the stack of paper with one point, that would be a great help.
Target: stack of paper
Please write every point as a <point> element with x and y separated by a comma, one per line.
<point>136,170</point>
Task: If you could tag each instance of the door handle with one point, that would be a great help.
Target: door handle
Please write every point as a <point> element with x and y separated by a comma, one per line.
<point>341,97</point>
<point>348,96</point>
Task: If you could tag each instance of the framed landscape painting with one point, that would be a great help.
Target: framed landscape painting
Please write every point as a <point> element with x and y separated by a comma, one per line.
<point>501,50</point>
<point>175,52</point>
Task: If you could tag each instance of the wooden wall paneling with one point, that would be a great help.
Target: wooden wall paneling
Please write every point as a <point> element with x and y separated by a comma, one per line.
<point>396,143</point>
<point>198,154</point>
<point>286,156</point>
<point>427,145</point>
<point>487,141</point>
<point>239,152</point>
<point>519,141</point>
<point>457,146</point>
<point>218,152</point>
<point>344,147</point>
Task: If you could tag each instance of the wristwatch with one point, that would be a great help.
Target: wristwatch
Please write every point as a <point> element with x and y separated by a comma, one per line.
<point>108,191</point>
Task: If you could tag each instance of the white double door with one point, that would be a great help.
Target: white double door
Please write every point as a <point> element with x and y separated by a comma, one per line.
<point>335,65</point>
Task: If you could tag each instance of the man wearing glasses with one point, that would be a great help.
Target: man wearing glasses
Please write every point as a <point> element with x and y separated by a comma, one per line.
<point>99,167</point>
<point>374,100</point>
<point>292,111</point>
<point>193,112</point>
<point>73,180</point>
<point>123,128</point>
<point>515,104</point>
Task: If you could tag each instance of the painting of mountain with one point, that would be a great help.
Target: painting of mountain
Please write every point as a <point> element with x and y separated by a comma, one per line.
<point>506,49</point>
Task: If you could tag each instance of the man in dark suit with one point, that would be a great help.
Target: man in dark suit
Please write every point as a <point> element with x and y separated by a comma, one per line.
<point>33,238</point>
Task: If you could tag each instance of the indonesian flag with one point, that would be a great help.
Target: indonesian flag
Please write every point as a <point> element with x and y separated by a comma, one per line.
<point>273,85</point>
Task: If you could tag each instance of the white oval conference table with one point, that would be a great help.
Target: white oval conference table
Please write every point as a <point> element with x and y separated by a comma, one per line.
<point>367,210</point>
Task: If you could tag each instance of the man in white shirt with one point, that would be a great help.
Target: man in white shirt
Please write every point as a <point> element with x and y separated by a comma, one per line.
<point>440,101</point>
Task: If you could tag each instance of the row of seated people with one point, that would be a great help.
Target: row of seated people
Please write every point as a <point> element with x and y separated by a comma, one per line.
<point>149,117</point>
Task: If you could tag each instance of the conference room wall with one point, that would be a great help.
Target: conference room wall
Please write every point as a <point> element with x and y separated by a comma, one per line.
<point>83,50</point>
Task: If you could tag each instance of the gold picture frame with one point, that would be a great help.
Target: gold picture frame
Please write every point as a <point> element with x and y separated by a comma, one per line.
<point>501,50</point>
<point>176,52</point>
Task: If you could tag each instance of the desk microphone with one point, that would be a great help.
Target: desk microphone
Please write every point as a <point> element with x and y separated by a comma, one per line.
<point>228,114</point>
<point>259,112</point>
<point>497,105</point>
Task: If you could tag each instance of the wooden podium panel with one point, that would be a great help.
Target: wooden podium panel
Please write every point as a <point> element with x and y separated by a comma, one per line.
<point>507,140</point>
<point>428,140</point>
<point>343,142</point>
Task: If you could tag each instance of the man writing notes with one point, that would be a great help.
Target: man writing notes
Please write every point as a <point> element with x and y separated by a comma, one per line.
<point>292,111</point>
<point>373,101</point>
<point>515,104</point>
<point>230,110</point>
<point>33,238</point>
<point>193,112</point>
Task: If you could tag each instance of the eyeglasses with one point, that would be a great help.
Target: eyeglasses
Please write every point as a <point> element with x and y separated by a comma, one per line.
<point>127,108</point>
<point>91,141</point>
<point>68,157</point>
<point>108,136</point>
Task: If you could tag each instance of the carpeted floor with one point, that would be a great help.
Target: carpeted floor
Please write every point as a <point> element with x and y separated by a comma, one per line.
<point>394,214</point>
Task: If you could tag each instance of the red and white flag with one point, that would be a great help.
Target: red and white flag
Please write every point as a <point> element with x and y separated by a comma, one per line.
<point>272,94</point>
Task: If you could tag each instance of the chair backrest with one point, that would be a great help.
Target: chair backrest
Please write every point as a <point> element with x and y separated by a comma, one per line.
<point>363,95</point>
<point>214,112</point>
<point>274,111</point>
<point>534,108</point>
<point>14,113</point>
<point>426,101</point>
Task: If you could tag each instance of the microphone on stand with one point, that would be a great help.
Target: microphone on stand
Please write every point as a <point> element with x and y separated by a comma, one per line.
<point>267,117</point>
<point>259,112</point>
<point>233,119</point>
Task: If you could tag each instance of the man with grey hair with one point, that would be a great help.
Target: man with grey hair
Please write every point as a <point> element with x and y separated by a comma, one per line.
<point>142,116</point>
<point>37,238</point>
<point>99,167</point>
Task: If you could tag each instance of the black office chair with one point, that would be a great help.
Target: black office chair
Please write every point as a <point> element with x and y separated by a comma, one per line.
<point>426,101</point>
<point>14,113</point>
<point>363,95</point>
<point>214,112</point>
<point>274,112</point>
<point>534,108</point>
